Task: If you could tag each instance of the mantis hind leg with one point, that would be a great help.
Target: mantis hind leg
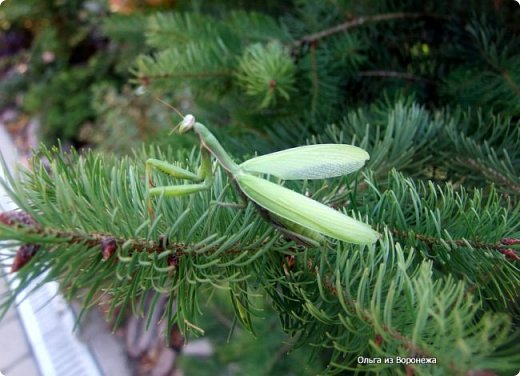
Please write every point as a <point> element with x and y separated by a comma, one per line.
<point>292,231</point>
<point>242,199</point>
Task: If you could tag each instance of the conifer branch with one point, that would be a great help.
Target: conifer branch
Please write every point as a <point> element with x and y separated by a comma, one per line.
<point>511,83</point>
<point>431,241</point>
<point>315,78</point>
<point>395,74</point>
<point>496,176</point>
<point>359,21</point>
<point>102,240</point>
<point>145,79</point>
<point>105,240</point>
<point>369,319</point>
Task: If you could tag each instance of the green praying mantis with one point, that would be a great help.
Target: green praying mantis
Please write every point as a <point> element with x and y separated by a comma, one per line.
<point>297,216</point>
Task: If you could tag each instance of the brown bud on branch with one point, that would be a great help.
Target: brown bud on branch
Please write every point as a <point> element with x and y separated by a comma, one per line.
<point>108,247</point>
<point>24,254</point>
<point>17,217</point>
<point>510,254</point>
<point>510,241</point>
<point>173,260</point>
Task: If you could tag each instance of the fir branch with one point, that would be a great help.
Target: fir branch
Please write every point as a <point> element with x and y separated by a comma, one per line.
<point>488,75</point>
<point>314,77</point>
<point>472,289</point>
<point>135,245</point>
<point>496,176</point>
<point>395,74</point>
<point>315,37</point>
<point>366,315</point>
<point>431,241</point>
<point>145,79</point>
<point>362,313</point>
<point>510,82</point>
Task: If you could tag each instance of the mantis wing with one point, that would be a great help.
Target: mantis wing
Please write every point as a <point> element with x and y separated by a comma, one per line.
<point>304,211</point>
<point>309,162</point>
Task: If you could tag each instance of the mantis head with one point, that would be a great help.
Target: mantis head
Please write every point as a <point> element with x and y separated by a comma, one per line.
<point>186,124</point>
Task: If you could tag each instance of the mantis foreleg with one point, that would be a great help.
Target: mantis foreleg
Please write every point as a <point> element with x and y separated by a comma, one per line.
<point>204,174</point>
<point>169,169</point>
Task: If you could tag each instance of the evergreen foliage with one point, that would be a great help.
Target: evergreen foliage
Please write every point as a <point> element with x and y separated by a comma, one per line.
<point>429,89</point>
<point>53,77</point>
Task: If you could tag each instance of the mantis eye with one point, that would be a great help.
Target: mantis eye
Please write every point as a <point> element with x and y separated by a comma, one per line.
<point>187,123</point>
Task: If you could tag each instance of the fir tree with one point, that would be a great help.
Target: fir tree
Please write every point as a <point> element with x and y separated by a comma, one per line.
<point>430,90</point>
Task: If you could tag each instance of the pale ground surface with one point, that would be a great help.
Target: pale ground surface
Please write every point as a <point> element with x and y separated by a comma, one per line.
<point>16,357</point>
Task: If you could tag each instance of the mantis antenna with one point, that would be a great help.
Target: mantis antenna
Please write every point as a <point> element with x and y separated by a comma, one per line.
<point>170,107</point>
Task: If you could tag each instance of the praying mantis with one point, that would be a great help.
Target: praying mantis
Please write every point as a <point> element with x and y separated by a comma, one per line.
<point>297,216</point>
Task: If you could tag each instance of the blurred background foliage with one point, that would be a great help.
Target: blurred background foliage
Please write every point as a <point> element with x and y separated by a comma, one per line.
<point>388,75</point>
<point>248,67</point>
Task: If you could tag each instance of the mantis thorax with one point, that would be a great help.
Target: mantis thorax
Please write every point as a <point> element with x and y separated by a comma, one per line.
<point>213,146</point>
